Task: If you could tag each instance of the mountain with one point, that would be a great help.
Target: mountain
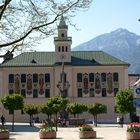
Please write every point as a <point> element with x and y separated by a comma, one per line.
<point>120,43</point>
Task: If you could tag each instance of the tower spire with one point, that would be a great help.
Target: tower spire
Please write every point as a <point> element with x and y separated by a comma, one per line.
<point>62,23</point>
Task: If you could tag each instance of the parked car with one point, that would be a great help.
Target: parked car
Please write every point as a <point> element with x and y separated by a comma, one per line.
<point>89,122</point>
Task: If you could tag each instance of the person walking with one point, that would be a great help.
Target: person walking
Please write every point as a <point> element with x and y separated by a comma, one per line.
<point>121,121</point>
<point>118,121</point>
<point>2,120</point>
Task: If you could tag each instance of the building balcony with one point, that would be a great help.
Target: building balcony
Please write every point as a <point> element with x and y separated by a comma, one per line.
<point>63,39</point>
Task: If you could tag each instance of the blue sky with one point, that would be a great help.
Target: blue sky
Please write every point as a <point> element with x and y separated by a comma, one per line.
<point>102,17</point>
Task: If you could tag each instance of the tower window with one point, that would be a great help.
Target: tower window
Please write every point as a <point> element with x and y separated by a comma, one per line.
<point>59,49</point>
<point>62,35</point>
<point>66,48</point>
<point>62,48</point>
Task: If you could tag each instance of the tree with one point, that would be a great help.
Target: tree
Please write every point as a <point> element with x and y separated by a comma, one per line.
<point>47,110</point>
<point>54,105</point>
<point>124,102</point>
<point>76,108</point>
<point>96,109</point>
<point>31,110</point>
<point>13,102</point>
<point>25,23</point>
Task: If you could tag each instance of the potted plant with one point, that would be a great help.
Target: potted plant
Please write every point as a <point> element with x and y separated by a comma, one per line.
<point>47,132</point>
<point>4,133</point>
<point>87,132</point>
<point>133,131</point>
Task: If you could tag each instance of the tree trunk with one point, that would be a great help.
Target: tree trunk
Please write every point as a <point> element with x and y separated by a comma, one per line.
<point>30,120</point>
<point>13,121</point>
<point>56,121</point>
<point>95,120</point>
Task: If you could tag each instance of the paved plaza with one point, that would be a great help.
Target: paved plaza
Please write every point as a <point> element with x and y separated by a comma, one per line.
<point>104,132</point>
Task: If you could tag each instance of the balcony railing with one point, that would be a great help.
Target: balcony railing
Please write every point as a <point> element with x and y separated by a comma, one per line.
<point>62,38</point>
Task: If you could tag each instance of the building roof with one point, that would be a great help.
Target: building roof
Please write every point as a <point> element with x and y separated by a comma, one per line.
<point>78,58</point>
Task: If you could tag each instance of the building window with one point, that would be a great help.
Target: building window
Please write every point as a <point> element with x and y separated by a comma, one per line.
<point>23,78</point>
<point>11,91</point>
<point>66,48</point>
<point>11,78</point>
<point>11,111</point>
<point>23,93</point>
<point>47,78</point>
<point>115,91</point>
<point>103,77</point>
<point>79,92</point>
<point>35,78</point>
<point>79,77</point>
<point>62,48</point>
<point>91,92</point>
<point>103,92</point>
<point>47,93</point>
<point>59,49</point>
<point>91,77</point>
<point>115,77</point>
<point>35,93</point>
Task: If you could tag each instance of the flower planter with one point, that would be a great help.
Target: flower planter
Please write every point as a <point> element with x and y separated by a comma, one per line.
<point>87,134</point>
<point>133,135</point>
<point>47,135</point>
<point>4,135</point>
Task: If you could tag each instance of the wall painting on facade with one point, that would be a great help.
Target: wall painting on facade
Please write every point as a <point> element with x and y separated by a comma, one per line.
<point>29,84</point>
<point>109,83</point>
<point>97,83</point>
<point>85,83</point>
<point>17,83</point>
<point>41,84</point>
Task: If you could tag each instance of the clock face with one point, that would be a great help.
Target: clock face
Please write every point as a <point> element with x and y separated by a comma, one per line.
<point>62,56</point>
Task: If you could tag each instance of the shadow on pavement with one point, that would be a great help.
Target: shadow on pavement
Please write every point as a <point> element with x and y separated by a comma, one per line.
<point>22,128</point>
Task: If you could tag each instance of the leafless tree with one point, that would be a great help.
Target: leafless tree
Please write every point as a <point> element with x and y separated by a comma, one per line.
<point>24,23</point>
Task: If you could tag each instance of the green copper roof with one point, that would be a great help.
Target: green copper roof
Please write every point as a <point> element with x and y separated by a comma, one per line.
<point>79,58</point>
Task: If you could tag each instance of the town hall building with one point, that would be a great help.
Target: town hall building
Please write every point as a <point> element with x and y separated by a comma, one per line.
<point>84,76</point>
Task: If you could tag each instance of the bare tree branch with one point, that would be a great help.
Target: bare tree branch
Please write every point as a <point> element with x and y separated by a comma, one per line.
<point>37,27</point>
<point>24,23</point>
<point>3,7</point>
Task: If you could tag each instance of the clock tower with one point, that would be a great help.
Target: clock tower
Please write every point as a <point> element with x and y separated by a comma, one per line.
<point>62,43</point>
